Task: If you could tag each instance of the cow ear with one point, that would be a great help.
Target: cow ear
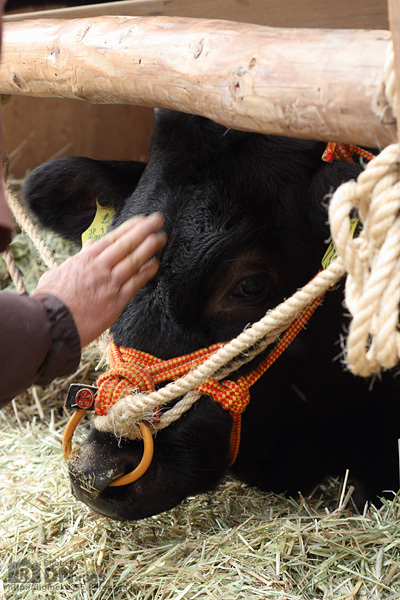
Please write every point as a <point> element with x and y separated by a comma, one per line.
<point>63,192</point>
<point>323,183</point>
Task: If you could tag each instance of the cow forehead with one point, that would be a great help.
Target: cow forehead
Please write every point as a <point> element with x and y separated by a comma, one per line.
<point>200,141</point>
<point>207,208</point>
<point>213,196</point>
<point>209,181</point>
<point>199,169</point>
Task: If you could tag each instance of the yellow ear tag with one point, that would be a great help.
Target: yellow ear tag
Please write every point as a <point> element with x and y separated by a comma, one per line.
<point>100,224</point>
<point>331,253</point>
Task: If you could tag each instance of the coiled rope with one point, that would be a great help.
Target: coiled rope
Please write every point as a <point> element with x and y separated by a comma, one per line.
<point>372,260</point>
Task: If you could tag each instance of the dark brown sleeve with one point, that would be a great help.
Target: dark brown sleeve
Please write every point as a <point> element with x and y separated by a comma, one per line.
<point>38,342</point>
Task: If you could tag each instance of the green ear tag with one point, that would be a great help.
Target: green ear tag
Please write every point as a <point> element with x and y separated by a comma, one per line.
<point>100,224</point>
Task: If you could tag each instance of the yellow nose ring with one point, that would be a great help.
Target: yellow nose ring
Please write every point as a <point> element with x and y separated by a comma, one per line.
<point>142,467</point>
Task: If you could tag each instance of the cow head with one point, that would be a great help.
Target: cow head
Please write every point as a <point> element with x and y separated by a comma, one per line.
<point>246,220</point>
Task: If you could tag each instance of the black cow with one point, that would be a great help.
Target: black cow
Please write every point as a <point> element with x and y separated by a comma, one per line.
<point>246,220</point>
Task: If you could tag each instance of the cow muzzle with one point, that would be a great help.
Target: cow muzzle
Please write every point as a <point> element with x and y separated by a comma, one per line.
<point>114,477</point>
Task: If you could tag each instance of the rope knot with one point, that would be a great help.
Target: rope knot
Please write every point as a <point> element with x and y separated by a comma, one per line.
<point>231,395</point>
<point>124,378</point>
<point>144,370</point>
<point>235,397</point>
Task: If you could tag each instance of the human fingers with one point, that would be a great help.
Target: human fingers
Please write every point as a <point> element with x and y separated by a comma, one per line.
<point>95,247</point>
<point>130,240</point>
<point>134,261</point>
<point>120,242</point>
<point>132,285</point>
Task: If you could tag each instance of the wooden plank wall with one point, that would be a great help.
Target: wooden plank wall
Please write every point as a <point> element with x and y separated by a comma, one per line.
<point>36,129</point>
<point>348,14</point>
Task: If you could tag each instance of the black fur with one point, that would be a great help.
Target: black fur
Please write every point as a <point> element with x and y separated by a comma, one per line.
<point>246,217</point>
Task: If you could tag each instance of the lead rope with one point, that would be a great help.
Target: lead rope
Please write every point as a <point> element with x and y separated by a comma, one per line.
<point>13,271</point>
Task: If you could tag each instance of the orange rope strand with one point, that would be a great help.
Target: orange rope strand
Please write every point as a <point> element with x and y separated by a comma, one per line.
<point>344,152</point>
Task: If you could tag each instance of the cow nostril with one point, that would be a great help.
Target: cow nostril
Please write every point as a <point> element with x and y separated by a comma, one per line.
<point>145,462</point>
<point>93,469</point>
<point>93,479</point>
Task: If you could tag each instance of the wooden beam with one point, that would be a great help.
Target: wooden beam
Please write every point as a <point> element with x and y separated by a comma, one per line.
<point>319,84</point>
<point>346,14</point>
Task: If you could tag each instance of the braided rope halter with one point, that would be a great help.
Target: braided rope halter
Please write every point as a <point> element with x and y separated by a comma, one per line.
<point>132,370</point>
<point>135,375</point>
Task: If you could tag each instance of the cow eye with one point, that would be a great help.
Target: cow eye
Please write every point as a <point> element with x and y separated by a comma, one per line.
<point>252,287</point>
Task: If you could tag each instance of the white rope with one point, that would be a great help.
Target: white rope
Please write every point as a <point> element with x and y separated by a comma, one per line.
<point>27,225</point>
<point>14,272</point>
<point>372,260</point>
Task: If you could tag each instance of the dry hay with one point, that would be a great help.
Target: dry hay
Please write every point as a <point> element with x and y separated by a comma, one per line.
<point>234,543</point>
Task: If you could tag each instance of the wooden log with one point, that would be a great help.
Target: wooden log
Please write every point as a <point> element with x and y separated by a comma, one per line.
<point>318,84</point>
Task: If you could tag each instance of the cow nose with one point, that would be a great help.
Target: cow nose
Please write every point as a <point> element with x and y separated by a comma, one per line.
<point>91,475</point>
<point>94,466</point>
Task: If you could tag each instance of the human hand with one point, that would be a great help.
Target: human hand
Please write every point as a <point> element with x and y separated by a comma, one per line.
<point>98,282</point>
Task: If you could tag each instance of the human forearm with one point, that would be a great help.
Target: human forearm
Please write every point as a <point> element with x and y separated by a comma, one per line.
<point>38,342</point>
